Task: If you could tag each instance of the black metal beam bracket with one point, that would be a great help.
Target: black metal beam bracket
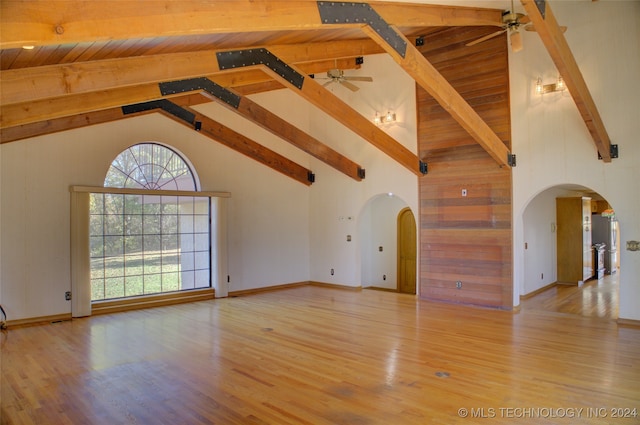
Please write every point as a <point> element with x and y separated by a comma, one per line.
<point>165,105</point>
<point>339,12</point>
<point>201,83</point>
<point>251,57</point>
<point>424,168</point>
<point>613,152</point>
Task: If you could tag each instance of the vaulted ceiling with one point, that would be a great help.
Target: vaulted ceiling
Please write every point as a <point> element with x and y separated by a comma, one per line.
<point>69,63</point>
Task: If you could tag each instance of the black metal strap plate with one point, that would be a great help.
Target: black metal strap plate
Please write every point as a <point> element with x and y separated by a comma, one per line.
<point>251,57</point>
<point>201,83</point>
<point>542,7</point>
<point>511,159</point>
<point>339,12</point>
<point>163,104</point>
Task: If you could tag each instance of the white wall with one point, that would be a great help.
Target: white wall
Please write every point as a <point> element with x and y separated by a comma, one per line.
<point>551,140</point>
<point>337,196</point>
<point>280,231</point>
<point>378,228</point>
<point>268,233</point>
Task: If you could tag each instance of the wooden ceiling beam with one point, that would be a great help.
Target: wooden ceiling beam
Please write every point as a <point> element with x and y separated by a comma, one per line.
<point>31,84</point>
<point>246,146</point>
<point>43,109</point>
<point>247,108</point>
<point>49,126</point>
<point>281,128</point>
<point>209,127</point>
<point>428,77</point>
<point>43,22</point>
<point>553,39</point>
<point>322,98</point>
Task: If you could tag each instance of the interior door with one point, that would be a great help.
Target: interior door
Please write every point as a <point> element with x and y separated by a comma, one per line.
<point>406,252</point>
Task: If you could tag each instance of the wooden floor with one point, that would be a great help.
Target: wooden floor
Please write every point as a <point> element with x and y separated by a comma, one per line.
<point>596,298</point>
<point>312,355</point>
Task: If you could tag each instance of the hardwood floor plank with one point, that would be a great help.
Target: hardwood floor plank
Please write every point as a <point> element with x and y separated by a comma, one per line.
<point>315,355</point>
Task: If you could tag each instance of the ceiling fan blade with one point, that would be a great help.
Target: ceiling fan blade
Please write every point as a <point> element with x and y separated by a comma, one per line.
<point>327,83</point>
<point>348,85</point>
<point>486,37</point>
<point>524,20</point>
<point>369,79</point>
<point>532,27</point>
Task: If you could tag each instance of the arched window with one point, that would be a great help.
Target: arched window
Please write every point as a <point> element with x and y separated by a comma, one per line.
<point>146,237</point>
<point>150,166</point>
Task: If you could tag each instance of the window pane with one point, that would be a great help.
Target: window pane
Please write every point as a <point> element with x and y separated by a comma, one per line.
<point>202,279</point>
<point>114,287</point>
<point>201,242</point>
<point>187,261</point>
<point>187,280</point>
<point>96,222</point>
<point>170,282</point>
<point>97,289</point>
<point>113,224</point>
<point>113,267</point>
<point>134,285</point>
<point>170,244</point>
<point>133,224</point>
<point>202,260</point>
<point>151,225</point>
<point>152,244</point>
<point>132,204</point>
<point>186,205</point>
<point>96,246</point>
<point>113,203</point>
<point>201,223</point>
<point>113,246</point>
<point>169,224</point>
<point>152,283</point>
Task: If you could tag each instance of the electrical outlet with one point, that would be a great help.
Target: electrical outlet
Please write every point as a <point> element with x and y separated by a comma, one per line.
<point>464,192</point>
<point>332,271</point>
<point>67,295</point>
<point>459,285</point>
<point>384,277</point>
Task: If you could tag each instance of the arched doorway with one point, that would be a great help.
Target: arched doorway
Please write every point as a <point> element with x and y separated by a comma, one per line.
<point>407,252</point>
<point>543,255</point>
<point>381,222</point>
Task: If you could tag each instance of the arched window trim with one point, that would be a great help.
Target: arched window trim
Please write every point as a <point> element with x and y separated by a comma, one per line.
<point>139,165</point>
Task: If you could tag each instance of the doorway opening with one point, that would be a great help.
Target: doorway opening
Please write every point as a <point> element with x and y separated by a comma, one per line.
<point>388,236</point>
<point>590,291</point>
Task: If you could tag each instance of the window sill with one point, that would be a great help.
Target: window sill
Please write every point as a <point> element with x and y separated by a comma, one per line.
<point>147,301</point>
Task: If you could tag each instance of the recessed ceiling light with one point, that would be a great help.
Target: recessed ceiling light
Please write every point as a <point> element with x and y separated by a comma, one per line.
<point>28,47</point>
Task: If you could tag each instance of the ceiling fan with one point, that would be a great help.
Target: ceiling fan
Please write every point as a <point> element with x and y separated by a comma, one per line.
<point>511,22</point>
<point>337,76</point>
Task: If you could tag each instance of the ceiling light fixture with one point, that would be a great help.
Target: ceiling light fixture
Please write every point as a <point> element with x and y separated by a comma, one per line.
<point>550,88</point>
<point>388,118</point>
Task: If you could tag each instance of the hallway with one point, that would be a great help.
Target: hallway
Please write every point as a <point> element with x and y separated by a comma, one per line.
<point>596,298</point>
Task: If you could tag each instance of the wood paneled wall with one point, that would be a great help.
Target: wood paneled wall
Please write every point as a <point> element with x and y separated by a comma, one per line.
<point>465,239</point>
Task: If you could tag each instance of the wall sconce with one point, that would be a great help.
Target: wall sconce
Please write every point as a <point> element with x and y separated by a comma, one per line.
<point>549,88</point>
<point>389,117</point>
